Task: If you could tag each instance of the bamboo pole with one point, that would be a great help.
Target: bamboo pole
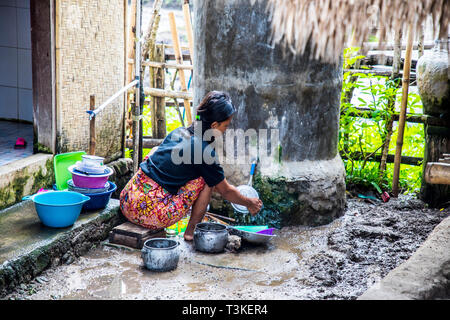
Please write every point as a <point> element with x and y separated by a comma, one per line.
<point>137,121</point>
<point>158,103</point>
<point>135,140</point>
<point>179,59</point>
<point>169,94</point>
<point>177,106</point>
<point>404,105</point>
<point>187,21</point>
<point>92,126</point>
<point>163,65</point>
<point>150,36</point>
<point>131,55</point>
<point>391,103</point>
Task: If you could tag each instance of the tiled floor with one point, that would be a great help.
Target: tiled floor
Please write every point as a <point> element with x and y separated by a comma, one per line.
<point>9,132</point>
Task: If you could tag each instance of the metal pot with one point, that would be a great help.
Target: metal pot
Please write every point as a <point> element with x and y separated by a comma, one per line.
<point>160,254</point>
<point>210,237</point>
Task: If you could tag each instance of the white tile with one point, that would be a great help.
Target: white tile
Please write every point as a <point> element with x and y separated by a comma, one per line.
<point>23,3</point>
<point>26,104</point>
<point>10,3</point>
<point>8,66</point>
<point>24,69</point>
<point>23,28</point>
<point>8,103</point>
<point>8,26</point>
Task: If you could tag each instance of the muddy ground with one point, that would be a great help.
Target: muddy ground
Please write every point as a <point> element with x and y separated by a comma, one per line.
<point>337,261</point>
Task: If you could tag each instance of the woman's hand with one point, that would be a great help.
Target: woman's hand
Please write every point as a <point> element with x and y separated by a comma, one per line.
<point>233,195</point>
<point>254,206</point>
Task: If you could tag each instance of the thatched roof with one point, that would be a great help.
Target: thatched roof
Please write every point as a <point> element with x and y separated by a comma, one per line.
<point>328,24</point>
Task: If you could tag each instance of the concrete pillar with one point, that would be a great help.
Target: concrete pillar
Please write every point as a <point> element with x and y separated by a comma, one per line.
<point>302,181</point>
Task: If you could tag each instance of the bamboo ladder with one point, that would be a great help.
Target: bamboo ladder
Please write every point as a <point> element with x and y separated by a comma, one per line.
<point>154,57</point>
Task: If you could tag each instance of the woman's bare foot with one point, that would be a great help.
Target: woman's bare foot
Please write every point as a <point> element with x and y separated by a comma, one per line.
<point>188,237</point>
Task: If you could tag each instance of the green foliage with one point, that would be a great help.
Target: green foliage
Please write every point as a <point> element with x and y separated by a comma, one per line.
<point>360,137</point>
<point>172,122</point>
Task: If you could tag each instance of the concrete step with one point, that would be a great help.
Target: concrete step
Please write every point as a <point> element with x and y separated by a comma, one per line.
<point>27,247</point>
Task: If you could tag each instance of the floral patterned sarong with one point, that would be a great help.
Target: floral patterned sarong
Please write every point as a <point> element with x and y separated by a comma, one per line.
<point>144,202</point>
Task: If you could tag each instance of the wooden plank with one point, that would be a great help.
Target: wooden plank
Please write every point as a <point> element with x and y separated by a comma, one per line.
<point>179,58</point>
<point>43,75</point>
<point>391,45</point>
<point>146,143</point>
<point>412,161</point>
<point>182,47</point>
<point>410,117</point>
<point>172,57</point>
<point>168,93</point>
<point>164,65</point>
<point>171,104</point>
<point>384,73</point>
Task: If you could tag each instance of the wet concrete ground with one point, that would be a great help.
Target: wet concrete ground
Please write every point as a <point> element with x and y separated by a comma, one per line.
<point>337,261</point>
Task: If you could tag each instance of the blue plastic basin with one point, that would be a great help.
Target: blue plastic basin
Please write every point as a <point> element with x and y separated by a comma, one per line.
<point>99,200</point>
<point>58,209</point>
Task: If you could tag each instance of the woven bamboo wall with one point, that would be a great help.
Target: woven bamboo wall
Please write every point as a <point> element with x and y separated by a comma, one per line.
<point>90,42</point>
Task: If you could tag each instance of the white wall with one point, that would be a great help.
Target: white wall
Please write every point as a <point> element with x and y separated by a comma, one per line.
<point>16,98</point>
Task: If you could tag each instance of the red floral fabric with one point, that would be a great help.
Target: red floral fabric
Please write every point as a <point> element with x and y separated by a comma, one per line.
<point>146,203</point>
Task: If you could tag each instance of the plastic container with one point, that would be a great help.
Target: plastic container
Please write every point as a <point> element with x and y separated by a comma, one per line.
<point>72,187</point>
<point>92,161</point>
<point>58,209</point>
<point>99,200</point>
<point>251,228</point>
<point>93,170</point>
<point>267,231</point>
<point>90,181</point>
<point>179,227</point>
<point>61,162</point>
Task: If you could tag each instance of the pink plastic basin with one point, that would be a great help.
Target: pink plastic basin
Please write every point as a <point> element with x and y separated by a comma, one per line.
<point>89,181</point>
<point>82,181</point>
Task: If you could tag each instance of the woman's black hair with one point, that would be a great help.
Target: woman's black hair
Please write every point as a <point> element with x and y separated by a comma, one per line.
<point>215,106</point>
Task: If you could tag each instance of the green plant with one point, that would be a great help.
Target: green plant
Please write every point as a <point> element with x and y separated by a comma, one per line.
<point>172,122</point>
<point>375,99</point>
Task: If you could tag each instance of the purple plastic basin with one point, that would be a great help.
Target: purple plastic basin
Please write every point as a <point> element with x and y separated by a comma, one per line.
<point>82,181</point>
<point>90,181</point>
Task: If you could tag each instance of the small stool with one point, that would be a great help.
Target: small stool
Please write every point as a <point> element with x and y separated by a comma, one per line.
<point>132,235</point>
